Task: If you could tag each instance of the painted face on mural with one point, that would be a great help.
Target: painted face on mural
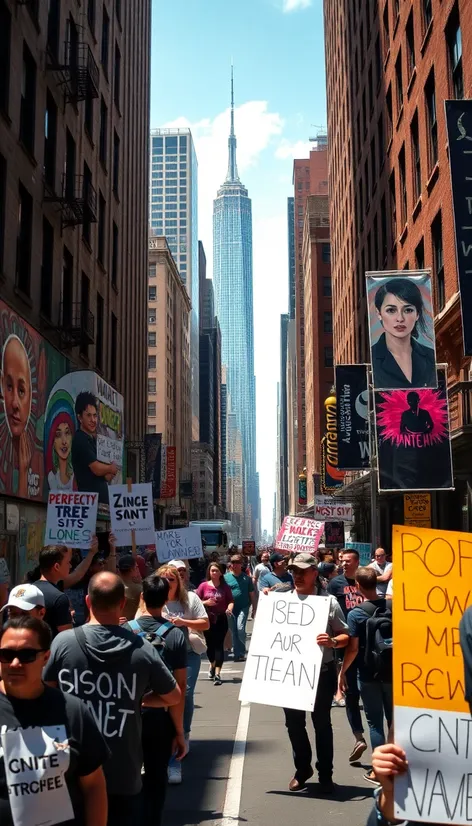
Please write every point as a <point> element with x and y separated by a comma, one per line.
<point>88,419</point>
<point>397,317</point>
<point>16,386</point>
<point>63,441</point>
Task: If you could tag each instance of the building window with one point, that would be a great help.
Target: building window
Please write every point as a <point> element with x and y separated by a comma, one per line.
<point>114,256</point>
<point>50,132</point>
<point>399,82</point>
<point>327,292</point>
<point>328,357</point>
<point>419,255</point>
<point>327,321</point>
<point>114,348</point>
<point>151,362</point>
<point>393,207</point>
<point>152,339</point>
<point>152,386</point>
<point>427,13</point>
<point>28,100</point>
<point>105,45</point>
<point>91,15</point>
<point>151,428</point>
<point>84,311</point>
<point>152,269</point>
<point>99,334</point>
<point>117,77</point>
<point>87,183</point>
<point>326,253</point>
<point>24,238</point>
<point>438,260</point>
<point>431,114</point>
<point>152,316</point>
<point>5,35</point>
<point>88,116</point>
<point>454,47</point>
<point>54,15</point>
<point>47,263</point>
<point>416,158</point>
<point>151,409</point>
<point>102,219</point>
<point>403,193</point>
<point>103,132</point>
<point>152,294</point>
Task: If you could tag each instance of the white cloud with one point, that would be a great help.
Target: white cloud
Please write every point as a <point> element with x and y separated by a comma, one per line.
<point>286,149</point>
<point>295,5</point>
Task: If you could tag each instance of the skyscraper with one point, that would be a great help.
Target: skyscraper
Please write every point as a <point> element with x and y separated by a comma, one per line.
<point>232,274</point>
<point>173,199</point>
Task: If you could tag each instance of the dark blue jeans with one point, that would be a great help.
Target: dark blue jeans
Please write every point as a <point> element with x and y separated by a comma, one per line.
<point>378,707</point>
<point>352,696</point>
<point>295,721</point>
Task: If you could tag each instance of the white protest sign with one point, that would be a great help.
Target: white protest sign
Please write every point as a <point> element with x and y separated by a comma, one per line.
<point>283,663</point>
<point>36,760</point>
<point>71,518</point>
<point>299,534</point>
<point>329,508</point>
<point>132,510</point>
<point>109,450</point>
<point>180,543</point>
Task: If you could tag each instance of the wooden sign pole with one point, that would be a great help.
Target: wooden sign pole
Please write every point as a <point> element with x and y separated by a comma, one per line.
<point>133,533</point>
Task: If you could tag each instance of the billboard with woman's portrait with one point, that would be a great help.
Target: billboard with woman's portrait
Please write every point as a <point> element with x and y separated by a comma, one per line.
<point>401,326</point>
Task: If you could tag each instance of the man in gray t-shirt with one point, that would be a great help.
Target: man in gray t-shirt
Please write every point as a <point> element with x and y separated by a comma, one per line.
<point>383,569</point>
<point>114,672</point>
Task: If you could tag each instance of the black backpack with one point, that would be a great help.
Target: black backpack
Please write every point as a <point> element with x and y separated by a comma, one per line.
<point>156,638</point>
<point>378,641</point>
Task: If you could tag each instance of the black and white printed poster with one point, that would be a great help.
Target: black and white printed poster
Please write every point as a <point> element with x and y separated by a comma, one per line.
<point>413,439</point>
<point>353,417</point>
<point>459,133</point>
<point>334,534</point>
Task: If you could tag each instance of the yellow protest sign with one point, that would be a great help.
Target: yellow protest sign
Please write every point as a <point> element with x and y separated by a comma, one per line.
<point>417,509</point>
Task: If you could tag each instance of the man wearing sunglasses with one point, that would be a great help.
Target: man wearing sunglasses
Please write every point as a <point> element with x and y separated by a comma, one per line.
<point>242,588</point>
<point>52,752</point>
<point>304,570</point>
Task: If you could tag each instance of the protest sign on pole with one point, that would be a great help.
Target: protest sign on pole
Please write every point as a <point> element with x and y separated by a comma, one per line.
<point>71,518</point>
<point>433,572</point>
<point>299,534</point>
<point>283,663</point>
<point>364,549</point>
<point>180,543</point>
<point>328,507</point>
<point>132,515</point>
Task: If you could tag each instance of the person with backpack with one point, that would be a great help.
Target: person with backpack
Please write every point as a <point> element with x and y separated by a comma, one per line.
<point>370,645</point>
<point>163,730</point>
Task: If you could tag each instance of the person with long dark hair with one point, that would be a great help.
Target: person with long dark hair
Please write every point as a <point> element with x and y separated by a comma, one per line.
<point>218,600</point>
<point>398,359</point>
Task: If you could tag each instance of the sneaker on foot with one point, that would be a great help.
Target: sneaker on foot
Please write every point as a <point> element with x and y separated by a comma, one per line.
<point>217,681</point>
<point>211,673</point>
<point>174,775</point>
<point>371,778</point>
<point>358,750</point>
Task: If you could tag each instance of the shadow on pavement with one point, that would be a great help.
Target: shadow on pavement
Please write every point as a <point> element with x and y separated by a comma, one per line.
<point>342,793</point>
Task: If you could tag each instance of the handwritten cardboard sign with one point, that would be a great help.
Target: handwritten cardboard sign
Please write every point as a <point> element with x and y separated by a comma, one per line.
<point>299,534</point>
<point>110,450</point>
<point>71,518</point>
<point>180,543</point>
<point>132,510</point>
<point>433,575</point>
<point>284,661</point>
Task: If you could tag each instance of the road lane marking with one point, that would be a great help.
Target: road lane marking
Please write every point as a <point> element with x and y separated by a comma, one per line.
<point>235,780</point>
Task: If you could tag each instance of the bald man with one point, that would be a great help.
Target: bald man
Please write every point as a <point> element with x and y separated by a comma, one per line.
<point>112,669</point>
<point>16,394</point>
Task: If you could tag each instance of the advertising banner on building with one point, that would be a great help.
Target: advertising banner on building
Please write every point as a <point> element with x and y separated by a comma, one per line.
<point>417,509</point>
<point>328,507</point>
<point>29,368</point>
<point>331,477</point>
<point>71,519</point>
<point>413,440</point>
<point>459,132</point>
<point>168,472</point>
<point>131,511</point>
<point>433,572</point>
<point>152,462</point>
<point>401,326</point>
<point>181,543</point>
<point>283,665</point>
<point>299,534</point>
<point>334,534</point>
<point>353,416</point>
<point>83,423</point>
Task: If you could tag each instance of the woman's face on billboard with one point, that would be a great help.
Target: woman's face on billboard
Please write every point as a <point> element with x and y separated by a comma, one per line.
<point>16,387</point>
<point>398,318</point>
<point>63,440</point>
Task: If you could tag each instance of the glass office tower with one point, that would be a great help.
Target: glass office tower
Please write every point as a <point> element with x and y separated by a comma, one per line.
<point>173,198</point>
<point>232,275</point>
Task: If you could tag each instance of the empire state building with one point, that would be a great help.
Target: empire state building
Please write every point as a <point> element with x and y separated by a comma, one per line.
<point>233,281</point>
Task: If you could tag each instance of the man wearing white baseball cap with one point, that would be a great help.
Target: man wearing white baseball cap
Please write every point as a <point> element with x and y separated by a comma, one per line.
<point>25,599</point>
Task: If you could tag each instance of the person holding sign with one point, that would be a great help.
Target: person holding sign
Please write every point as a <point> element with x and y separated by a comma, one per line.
<point>51,753</point>
<point>305,576</point>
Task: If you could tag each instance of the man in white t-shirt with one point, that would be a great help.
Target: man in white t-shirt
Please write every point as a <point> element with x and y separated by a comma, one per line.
<point>383,569</point>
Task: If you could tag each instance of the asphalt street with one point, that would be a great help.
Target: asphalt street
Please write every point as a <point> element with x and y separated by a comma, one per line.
<point>252,788</point>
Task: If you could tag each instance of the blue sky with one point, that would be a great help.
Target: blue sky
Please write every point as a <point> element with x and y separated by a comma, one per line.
<point>278,53</point>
